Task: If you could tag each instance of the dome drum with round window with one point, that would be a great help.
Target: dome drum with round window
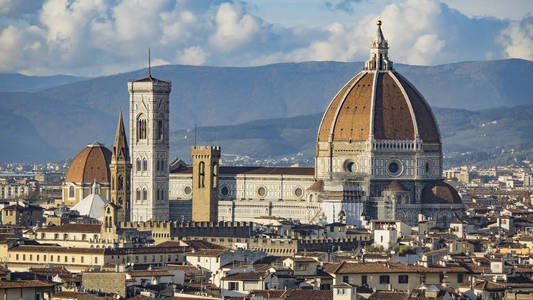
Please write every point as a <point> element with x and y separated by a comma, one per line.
<point>187,190</point>
<point>394,167</point>
<point>261,192</point>
<point>298,192</point>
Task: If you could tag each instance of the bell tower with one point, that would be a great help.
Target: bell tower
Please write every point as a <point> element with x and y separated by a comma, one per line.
<point>120,169</point>
<point>205,162</point>
<point>149,145</point>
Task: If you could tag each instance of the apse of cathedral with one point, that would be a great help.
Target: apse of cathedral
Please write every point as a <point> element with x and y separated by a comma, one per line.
<point>378,156</point>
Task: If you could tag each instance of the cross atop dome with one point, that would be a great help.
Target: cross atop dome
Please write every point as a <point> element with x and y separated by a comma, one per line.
<point>379,49</point>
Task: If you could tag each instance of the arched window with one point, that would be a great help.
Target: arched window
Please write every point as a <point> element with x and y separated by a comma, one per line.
<point>201,175</point>
<point>71,192</point>
<point>141,128</point>
<point>145,194</point>
<point>112,182</point>
<point>120,183</point>
<point>145,164</point>
<point>159,133</point>
<point>138,194</point>
<point>138,165</point>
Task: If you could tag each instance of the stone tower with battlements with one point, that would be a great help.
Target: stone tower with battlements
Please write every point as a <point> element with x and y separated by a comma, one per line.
<point>149,145</point>
<point>120,171</point>
<point>205,162</point>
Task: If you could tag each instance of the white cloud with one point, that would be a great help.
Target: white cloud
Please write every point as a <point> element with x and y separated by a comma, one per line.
<point>192,56</point>
<point>418,31</point>
<point>425,48</point>
<point>518,39</point>
<point>234,28</point>
<point>17,45</point>
<point>92,37</point>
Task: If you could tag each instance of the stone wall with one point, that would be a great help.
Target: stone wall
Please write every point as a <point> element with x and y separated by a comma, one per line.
<point>105,282</point>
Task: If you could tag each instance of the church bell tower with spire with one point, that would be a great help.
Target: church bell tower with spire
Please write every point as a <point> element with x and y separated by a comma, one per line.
<point>120,169</point>
<point>149,142</point>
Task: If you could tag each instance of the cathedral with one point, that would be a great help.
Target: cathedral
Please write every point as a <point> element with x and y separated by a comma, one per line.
<point>378,156</point>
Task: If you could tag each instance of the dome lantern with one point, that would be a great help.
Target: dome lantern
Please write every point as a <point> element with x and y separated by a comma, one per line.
<point>379,50</point>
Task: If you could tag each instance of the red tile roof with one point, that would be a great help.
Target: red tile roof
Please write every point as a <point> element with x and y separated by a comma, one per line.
<point>226,170</point>
<point>25,284</point>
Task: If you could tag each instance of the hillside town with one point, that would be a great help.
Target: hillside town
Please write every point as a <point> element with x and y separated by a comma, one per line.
<point>376,217</point>
<point>54,252</point>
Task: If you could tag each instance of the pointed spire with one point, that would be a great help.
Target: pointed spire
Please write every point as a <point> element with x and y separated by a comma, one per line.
<point>121,143</point>
<point>93,188</point>
<point>379,33</point>
<point>379,49</point>
<point>149,65</point>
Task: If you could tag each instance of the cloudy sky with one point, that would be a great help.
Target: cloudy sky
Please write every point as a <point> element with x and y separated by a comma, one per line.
<point>96,37</point>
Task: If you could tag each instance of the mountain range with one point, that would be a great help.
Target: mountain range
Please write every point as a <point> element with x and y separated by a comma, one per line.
<point>491,136</point>
<point>53,118</point>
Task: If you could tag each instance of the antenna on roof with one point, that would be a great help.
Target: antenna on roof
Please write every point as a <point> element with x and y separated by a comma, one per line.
<point>195,134</point>
<point>149,65</point>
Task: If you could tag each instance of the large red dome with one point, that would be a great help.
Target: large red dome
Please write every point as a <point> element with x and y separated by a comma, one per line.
<point>382,104</point>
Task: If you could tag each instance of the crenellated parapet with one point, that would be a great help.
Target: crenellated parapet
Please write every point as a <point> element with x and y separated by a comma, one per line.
<point>177,229</point>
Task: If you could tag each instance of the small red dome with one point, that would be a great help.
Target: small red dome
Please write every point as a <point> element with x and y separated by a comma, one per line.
<point>440,193</point>
<point>91,164</point>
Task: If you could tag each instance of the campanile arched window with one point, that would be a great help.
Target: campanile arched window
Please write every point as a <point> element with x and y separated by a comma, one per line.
<point>160,130</point>
<point>141,128</point>
<point>138,165</point>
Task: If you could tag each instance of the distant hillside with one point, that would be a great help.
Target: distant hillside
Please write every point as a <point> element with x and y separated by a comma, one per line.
<point>484,137</point>
<point>67,117</point>
<point>14,82</point>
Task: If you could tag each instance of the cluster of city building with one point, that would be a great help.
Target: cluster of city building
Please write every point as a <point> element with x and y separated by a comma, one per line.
<point>377,217</point>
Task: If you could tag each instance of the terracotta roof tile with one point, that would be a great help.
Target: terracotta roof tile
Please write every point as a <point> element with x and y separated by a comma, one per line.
<point>57,249</point>
<point>248,276</point>
<point>395,186</point>
<point>388,295</point>
<point>25,284</point>
<point>440,192</point>
<point>317,186</point>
